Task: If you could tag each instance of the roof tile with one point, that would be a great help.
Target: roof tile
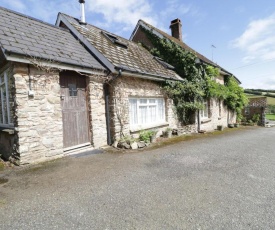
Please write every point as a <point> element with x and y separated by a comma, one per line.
<point>31,37</point>
<point>133,57</point>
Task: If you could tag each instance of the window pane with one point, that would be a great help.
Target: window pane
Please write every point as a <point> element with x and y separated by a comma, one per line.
<point>143,101</point>
<point>133,111</point>
<point>142,114</point>
<point>72,90</point>
<point>5,111</point>
<point>152,114</point>
<point>11,100</point>
<point>152,101</point>
<point>204,111</point>
<point>160,109</point>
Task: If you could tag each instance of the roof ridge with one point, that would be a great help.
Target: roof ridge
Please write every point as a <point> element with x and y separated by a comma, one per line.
<point>103,30</point>
<point>32,18</point>
<point>177,41</point>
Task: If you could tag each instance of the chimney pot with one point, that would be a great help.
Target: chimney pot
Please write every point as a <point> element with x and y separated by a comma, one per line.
<point>82,7</point>
<point>176,29</point>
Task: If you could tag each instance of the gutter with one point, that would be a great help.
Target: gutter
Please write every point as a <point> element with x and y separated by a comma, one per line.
<point>125,72</point>
<point>63,65</point>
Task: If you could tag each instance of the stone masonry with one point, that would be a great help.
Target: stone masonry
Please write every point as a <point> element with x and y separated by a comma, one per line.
<point>256,105</point>
<point>218,114</point>
<point>38,117</point>
<point>97,112</point>
<point>123,88</point>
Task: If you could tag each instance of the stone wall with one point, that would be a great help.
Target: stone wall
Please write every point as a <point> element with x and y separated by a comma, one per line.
<point>125,87</point>
<point>256,105</point>
<point>97,112</point>
<point>7,134</point>
<point>39,117</point>
<point>218,115</point>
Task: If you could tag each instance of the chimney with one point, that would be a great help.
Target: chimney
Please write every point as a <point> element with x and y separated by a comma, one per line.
<point>176,29</point>
<point>82,8</point>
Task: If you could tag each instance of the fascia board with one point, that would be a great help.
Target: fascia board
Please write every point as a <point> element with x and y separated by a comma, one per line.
<point>99,56</point>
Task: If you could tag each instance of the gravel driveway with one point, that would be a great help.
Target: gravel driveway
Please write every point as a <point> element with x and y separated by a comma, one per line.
<point>222,181</point>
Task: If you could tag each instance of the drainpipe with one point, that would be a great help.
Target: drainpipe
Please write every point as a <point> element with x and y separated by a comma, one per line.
<point>107,107</point>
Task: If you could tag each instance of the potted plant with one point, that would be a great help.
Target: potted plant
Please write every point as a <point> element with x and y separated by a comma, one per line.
<point>167,132</point>
<point>230,125</point>
<point>153,136</point>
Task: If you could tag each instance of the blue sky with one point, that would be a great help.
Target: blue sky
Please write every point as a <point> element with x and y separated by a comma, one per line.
<point>243,32</point>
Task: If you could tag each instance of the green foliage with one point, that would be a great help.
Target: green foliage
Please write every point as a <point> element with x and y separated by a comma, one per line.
<point>145,135</point>
<point>236,98</point>
<point>270,117</point>
<point>198,80</point>
<point>256,118</point>
<point>128,139</point>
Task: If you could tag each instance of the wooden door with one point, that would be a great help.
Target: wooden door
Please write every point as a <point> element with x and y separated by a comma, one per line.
<point>74,110</point>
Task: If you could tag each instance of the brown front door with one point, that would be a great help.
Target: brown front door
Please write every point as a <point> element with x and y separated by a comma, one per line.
<point>74,110</point>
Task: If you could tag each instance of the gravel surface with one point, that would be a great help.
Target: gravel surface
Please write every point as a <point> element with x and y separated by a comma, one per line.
<point>224,181</point>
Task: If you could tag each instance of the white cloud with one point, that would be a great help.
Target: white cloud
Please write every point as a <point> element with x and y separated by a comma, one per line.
<point>123,12</point>
<point>17,5</point>
<point>258,40</point>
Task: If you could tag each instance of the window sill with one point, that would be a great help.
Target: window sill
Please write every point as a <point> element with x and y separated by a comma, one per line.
<point>205,120</point>
<point>136,129</point>
<point>9,130</point>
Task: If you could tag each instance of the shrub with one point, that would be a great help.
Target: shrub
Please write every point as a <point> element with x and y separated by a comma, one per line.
<point>145,135</point>
<point>256,118</point>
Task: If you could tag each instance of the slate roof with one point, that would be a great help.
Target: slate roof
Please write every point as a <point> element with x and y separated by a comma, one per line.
<point>28,37</point>
<point>120,52</point>
<point>180,43</point>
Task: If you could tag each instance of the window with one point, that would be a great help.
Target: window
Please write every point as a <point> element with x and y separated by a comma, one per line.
<point>220,107</point>
<point>204,111</point>
<point>6,116</point>
<point>145,112</point>
<point>114,39</point>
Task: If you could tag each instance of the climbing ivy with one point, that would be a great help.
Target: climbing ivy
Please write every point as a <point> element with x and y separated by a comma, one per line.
<point>198,81</point>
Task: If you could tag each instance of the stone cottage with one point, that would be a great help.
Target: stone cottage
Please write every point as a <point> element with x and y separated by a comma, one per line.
<point>215,112</point>
<point>52,98</point>
<point>135,100</point>
<point>74,86</point>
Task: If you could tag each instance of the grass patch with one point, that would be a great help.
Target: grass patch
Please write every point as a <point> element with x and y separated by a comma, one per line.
<point>270,117</point>
<point>270,101</point>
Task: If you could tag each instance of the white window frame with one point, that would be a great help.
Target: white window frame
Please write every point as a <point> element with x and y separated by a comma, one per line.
<point>4,85</point>
<point>204,113</point>
<point>160,116</point>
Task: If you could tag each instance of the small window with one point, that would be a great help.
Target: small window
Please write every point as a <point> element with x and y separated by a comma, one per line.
<point>146,111</point>
<point>204,111</point>
<point>114,39</point>
<point>164,64</point>
<point>6,100</point>
<point>72,90</point>
<point>220,107</point>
